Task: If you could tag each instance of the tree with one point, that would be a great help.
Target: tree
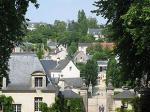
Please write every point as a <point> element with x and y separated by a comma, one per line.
<point>6,103</point>
<point>82,21</point>
<point>72,49</point>
<point>130,22</point>
<point>92,23</point>
<point>91,72</point>
<point>12,19</point>
<point>113,72</point>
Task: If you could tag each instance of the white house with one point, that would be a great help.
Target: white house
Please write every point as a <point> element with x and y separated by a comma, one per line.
<point>65,69</point>
<point>60,53</point>
<point>96,33</point>
<point>102,67</point>
<point>28,83</point>
<point>32,25</point>
<point>67,76</point>
<point>83,47</point>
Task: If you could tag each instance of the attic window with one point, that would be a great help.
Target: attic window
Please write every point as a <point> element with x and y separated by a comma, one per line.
<point>70,68</point>
<point>38,81</point>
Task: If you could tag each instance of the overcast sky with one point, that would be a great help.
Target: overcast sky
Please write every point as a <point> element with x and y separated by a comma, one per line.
<point>65,10</point>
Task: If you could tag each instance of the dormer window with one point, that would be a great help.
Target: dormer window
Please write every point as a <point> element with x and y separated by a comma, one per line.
<point>38,81</point>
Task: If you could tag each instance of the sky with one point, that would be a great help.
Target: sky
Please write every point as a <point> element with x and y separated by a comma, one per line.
<point>65,10</point>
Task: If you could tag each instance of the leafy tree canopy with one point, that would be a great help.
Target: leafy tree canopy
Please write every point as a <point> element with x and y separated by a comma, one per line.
<point>12,27</point>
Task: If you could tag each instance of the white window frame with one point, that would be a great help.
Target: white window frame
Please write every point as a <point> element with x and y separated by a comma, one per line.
<point>16,107</point>
<point>38,82</point>
<point>37,101</point>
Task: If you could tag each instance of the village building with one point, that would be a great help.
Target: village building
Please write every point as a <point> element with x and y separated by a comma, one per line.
<point>58,54</point>
<point>96,33</point>
<point>83,47</point>
<point>28,83</point>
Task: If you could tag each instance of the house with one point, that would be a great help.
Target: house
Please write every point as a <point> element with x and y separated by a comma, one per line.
<point>60,53</point>
<point>67,76</point>
<point>102,66</point>
<point>124,95</point>
<point>83,47</point>
<point>51,44</point>
<point>56,54</point>
<point>80,57</point>
<point>96,33</point>
<point>28,84</point>
<point>63,69</point>
<point>32,25</point>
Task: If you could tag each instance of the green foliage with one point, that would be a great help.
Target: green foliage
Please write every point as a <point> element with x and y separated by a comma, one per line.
<point>40,35</point>
<point>82,22</point>
<point>76,105</point>
<point>12,19</point>
<point>81,67</point>
<point>40,51</point>
<point>99,53</point>
<point>6,102</point>
<point>64,105</point>
<point>72,49</point>
<point>130,26</point>
<point>113,72</point>
<point>91,72</point>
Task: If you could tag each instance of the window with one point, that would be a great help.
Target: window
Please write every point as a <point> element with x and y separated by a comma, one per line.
<point>38,81</point>
<point>16,107</point>
<point>37,101</point>
<point>101,69</point>
<point>70,68</point>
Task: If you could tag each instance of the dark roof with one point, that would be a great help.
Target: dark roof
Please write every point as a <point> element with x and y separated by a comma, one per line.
<point>22,66</point>
<point>52,43</point>
<point>102,62</point>
<point>125,95</point>
<point>61,65</point>
<point>74,82</point>
<point>70,94</point>
<point>94,31</point>
<point>48,65</point>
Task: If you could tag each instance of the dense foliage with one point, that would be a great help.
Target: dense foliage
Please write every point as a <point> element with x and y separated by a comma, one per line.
<point>6,103</point>
<point>89,71</point>
<point>113,72</point>
<point>64,105</point>
<point>99,53</point>
<point>12,25</point>
<point>130,23</point>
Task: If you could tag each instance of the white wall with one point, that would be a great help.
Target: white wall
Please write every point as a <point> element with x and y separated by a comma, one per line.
<point>73,73</point>
<point>82,48</point>
<point>27,99</point>
<point>61,55</point>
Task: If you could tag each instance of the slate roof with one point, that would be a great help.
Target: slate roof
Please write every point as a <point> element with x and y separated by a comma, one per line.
<point>102,62</point>
<point>48,65</point>
<point>70,94</point>
<point>125,95</point>
<point>74,82</point>
<point>21,66</point>
<point>94,31</point>
<point>61,65</point>
<point>52,43</point>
